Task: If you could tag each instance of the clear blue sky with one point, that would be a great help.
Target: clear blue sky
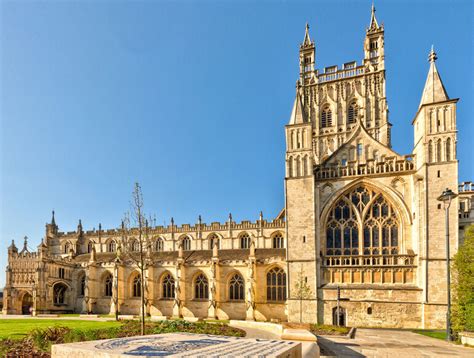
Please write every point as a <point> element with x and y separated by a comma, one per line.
<point>189,99</point>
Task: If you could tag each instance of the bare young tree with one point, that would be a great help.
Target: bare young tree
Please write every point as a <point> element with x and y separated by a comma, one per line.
<point>136,232</point>
<point>302,290</point>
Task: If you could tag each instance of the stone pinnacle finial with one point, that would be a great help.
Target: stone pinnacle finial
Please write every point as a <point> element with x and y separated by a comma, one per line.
<point>432,57</point>
<point>172,221</point>
<point>230,216</point>
<point>79,226</point>
<point>53,221</point>
<point>261,215</point>
<point>25,244</point>
<point>373,20</point>
<point>199,219</point>
<point>307,39</point>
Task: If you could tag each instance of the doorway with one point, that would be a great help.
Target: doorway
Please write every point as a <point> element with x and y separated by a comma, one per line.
<point>26,303</point>
<point>339,317</point>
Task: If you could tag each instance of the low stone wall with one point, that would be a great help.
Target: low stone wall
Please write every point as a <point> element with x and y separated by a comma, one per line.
<point>467,338</point>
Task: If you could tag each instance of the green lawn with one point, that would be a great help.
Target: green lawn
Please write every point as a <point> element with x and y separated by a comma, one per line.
<point>431,333</point>
<point>19,328</point>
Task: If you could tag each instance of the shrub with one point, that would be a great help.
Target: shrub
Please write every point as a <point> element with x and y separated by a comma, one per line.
<point>463,285</point>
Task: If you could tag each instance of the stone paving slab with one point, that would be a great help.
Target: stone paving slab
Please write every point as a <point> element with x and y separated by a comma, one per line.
<point>179,345</point>
<point>392,343</point>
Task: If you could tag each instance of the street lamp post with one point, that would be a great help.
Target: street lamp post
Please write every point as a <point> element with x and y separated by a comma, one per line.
<point>446,197</point>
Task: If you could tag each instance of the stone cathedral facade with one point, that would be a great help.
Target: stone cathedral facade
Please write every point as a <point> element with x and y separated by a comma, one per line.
<point>358,217</point>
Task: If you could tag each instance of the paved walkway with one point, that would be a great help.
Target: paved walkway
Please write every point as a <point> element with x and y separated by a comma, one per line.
<point>383,343</point>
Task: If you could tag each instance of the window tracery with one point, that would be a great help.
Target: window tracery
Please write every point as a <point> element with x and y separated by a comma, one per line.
<point>236,288</point>
<point>326,118</point>
<point>111,247</point>
<point>168,286</point>
<point>214,240</point>
<point>137,288</point>
<point>277,241</point>
<point>186,242</point>
<point>159,245</point>
<point>59,294</point>
<point>276,284</point>
<point>245,241</point>
<point>201,287</point>
<point>362,222</point>
<point>108,285</point>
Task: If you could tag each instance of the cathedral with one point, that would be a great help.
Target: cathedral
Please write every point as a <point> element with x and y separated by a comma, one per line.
<point>360,240</point>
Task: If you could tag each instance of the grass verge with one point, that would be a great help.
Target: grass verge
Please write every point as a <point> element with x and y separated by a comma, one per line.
<point>431,333</point>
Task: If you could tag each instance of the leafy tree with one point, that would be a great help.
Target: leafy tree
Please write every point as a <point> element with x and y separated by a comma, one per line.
<point>302,290</point>
<point>462,315</point>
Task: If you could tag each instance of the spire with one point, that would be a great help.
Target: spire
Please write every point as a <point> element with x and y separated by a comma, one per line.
<point>434,90</point>
<point>25,245</point>
<point>53,222</point>
<point>297,113</point>
<point>373,20</point>
<point>79,227</point>
<point>307,40</point>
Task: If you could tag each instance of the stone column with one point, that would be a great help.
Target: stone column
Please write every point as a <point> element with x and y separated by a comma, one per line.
<point>179,292</point>
<point>251,284</point>
<point>213,284</point>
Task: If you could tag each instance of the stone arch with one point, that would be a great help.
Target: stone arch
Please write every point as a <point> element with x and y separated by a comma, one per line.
<point>132,284</point>
<point>186,241</point>
<point>276,283</point>
<point>214,236</point>
<point>399,185</point>
<point>60,293</point>
<point>235,289</point>
<point>393,198</point>
<point>200,285</point>
<point>166,289</point>
<point>277,239</point>
<point>244,240</point>
<point>26,302</point>
<point>106,279</point>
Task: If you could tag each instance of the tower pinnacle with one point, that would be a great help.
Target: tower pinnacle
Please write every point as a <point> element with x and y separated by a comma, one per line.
<point>373,20</point>
<point>307,40</point>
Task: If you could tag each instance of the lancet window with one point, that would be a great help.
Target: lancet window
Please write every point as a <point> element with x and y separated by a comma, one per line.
<point>352,113</point>
<point>213,240</point>
<point>108,285</point>
<point>278,241</point>
<point>186,243</point>
<point>362,222</point>
<point>159,245</point>
<point>326,118</point>
<point>112,246</point>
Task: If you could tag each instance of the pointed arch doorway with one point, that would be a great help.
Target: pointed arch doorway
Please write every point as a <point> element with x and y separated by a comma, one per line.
<point>26,303</point>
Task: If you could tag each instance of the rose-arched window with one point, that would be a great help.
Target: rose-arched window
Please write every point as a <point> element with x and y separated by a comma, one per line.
<point>362,222</point>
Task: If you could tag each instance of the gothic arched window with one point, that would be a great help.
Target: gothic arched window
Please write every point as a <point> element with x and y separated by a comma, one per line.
<point>430,152</point>
<point>362,222</point>
<point>277,241</point>
<point>244,241</point>
<point>59,294</point>
<point>236,288</point>
<point>168,286</point>
<point>276,284</point>
<point>159,244</point>
<point>108,282</point>
<point>135,246</point>
<point>326,118</point>
<point>448,149</point>
<point>137,286</point>
<point>186,242</point>
<point>439,158</point>
<point>352,113</point>
<point>112,246</point>
<point>82,287</point>
<point>213,240</point>
<point>201,287</point>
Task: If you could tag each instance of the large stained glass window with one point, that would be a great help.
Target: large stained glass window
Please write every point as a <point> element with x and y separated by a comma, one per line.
<point>362,222</point>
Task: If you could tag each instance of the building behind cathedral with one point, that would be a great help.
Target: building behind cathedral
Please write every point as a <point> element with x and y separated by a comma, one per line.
<point>358,216</point>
